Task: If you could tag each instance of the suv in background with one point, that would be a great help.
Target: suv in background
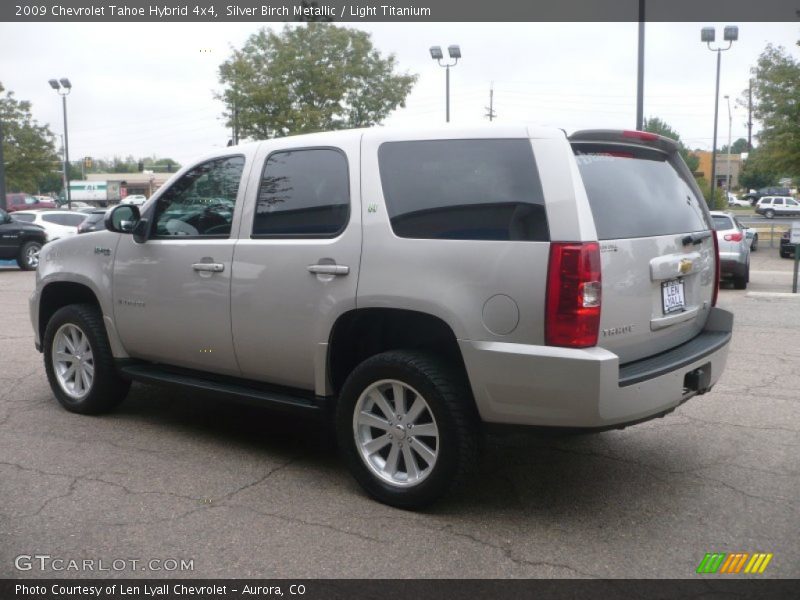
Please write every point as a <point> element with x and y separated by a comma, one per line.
<point>20,241</point>
<point>411,285</point>
<point>777,206</point>
<point>15,202</point>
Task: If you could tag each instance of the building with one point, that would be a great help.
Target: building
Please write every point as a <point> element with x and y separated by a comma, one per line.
<point>133,183</point>
<point>723,168</point>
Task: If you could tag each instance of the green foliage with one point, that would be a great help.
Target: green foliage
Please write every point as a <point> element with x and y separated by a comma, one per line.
<point>656,125</point>
<point>314,77</point>
<point>758,170</point>
<point>737,147</point>
<point>720,202</point>
<point>776,105</point>
<point>28,148</point>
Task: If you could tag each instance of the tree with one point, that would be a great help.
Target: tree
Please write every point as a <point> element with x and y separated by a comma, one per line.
<point>28,149</point>
<point>776,105</point>
<point>758,171</point>
<point>309,78</point>
<point>656,125</point>
<point>737,147</point>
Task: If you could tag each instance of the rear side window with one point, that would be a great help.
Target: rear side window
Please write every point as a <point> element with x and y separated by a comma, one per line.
<point>637,192</point>
<point>303,193</point>
<point>722,223</point>
<point>463,190</point>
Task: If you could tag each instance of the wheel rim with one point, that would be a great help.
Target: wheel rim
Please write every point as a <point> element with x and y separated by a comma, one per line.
<point>73,361</point>
<point>32,256</point>
<point>396,433</point>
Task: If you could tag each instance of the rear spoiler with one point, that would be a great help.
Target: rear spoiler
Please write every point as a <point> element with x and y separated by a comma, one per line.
<point>627,137</point>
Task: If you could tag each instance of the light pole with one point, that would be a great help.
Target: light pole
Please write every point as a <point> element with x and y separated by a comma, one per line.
<point>730,124</point>
<point>707,35</point>
<point>436,54</point>
<point>63,87</point>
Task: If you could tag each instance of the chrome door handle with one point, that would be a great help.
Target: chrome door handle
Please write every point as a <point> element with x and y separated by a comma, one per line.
<point>329,269</point>
<point>209,267</point>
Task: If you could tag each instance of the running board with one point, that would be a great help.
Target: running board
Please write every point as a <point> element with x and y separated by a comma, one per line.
<point>247,392</point>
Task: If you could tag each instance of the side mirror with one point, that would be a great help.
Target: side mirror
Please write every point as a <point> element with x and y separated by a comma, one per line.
<point>123,218</point>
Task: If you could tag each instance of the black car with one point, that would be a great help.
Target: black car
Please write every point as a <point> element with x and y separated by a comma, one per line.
<point>754,197</point>
<point>20,241</point>
<point>95,221</point>
<point>787,249</point>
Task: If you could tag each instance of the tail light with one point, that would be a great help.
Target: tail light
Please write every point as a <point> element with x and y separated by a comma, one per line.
<point>644,136</point>
<point>573,295</point>
<point>715,293</point>
<point>733,237</point>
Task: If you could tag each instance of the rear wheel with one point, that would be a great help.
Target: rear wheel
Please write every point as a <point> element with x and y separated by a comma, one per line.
<point>79,363</point>
<point>770,214</point>
<point>740,280</point>
<point>28,257</point>
<point>754,243</point>
<point>407,428</point>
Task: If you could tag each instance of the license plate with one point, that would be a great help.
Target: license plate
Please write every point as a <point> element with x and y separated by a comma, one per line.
<point>672,296</point>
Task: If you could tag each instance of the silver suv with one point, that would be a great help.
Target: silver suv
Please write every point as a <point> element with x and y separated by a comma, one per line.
<point>416,287</point>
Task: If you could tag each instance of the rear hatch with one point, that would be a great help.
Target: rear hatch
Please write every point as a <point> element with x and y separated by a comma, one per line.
<point>656,241</point>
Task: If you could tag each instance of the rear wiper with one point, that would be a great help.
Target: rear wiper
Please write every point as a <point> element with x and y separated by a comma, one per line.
<point>696,238</point>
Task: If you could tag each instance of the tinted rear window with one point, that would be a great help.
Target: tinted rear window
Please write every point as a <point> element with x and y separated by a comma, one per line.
<point>637,192</point>
<point>721,223</point>
<point>463,190</point>
<point>26,218</point>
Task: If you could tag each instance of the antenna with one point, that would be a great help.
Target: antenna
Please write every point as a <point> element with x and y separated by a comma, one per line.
<point>490,112</point>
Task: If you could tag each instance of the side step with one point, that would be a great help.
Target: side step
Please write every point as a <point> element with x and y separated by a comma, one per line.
<point>252,393</point>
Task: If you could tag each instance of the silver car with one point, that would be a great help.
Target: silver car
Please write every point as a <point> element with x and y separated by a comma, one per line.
<point>416,287</point>
<point>734,249</point>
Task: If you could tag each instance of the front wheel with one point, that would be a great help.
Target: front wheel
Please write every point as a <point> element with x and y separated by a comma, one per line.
<point>79,363</point>
<point>407,428</point>
<point>28,257</point>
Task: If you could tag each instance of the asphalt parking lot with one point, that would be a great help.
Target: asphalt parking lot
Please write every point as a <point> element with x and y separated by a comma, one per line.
<point>245,493</point>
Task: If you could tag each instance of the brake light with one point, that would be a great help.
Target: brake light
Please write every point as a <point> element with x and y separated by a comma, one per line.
<point>573,295</point>
<point>645,136</point>
<point>733,237</point>
<point>715,293</point>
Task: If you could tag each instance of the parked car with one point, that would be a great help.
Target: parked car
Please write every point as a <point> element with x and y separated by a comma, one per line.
<point>734,249</point>
<point>20,241</point>
<point>755,196</point>
<point>734,201</point>
<point>16,201</point>
<point>412,285</point>
<point>95,221</point>
<point>786,249</point>
<point>56,223</point>
<point>777,206</point>
<point>135,199</point>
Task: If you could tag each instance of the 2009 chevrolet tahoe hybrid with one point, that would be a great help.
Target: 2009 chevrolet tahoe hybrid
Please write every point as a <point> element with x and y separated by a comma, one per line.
<point>414,286</point>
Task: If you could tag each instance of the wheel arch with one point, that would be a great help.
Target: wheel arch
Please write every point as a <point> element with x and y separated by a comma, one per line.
<point>361,333</point>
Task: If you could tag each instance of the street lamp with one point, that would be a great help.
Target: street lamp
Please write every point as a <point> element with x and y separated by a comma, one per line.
<point>436,54</point>
<point>63,87</point>
<point>730,124</point>
<point>707,35</point>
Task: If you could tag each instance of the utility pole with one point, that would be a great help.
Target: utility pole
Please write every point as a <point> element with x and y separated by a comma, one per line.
<point>2,170</point>
<point>750,116</point>
<point>491,113</point>
<point>640,72</point>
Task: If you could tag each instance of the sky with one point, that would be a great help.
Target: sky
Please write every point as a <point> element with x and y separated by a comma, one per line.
<point>147,89</point>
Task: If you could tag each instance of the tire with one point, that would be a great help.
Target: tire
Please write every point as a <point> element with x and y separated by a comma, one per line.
<point>769,214</point>
<point>64,337</point>
<point>448,410</point>
<point>740,280</point>
<point>754,244</point>
<point>28,257</point>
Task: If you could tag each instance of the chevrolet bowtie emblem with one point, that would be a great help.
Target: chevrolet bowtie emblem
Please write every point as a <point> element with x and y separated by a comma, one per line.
<point>685,266</point>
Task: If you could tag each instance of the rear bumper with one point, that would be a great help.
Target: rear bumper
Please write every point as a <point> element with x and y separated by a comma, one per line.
<point>518,384</point>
